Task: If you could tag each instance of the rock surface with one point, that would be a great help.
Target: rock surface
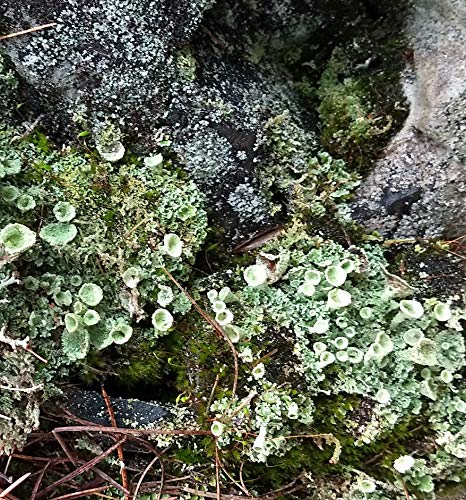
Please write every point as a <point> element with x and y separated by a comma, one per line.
<point>129,413</point>
<point>418,187</point>
<point>216,79</point>
<point>104,60</point>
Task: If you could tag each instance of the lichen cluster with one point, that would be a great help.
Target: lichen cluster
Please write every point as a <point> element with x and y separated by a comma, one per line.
<point>357,333</point>
<point>347,374</point>
<point>85,246</point>
<point>331,346</point>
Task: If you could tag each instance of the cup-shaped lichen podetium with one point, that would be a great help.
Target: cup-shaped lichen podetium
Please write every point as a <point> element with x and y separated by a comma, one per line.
<point>338,298</point>
<point>255,275</point>
<point>162,320</point>
<point>121,333</point>
<point>173,245</point>
<point>58,233</point>
<point>64,211</point>
<point>16,238</point>
<point>91,294</point>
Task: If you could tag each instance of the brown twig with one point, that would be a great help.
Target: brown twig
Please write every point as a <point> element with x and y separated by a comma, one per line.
<point>12,486</point>
<point>6,468</point>
<point>265,356</point>
<point>38,356</point>
<point>80,470</point>
<point>217,472</point>
<point>29,30</point>
<point>78,494</point>
<point>131,432</point>
<point>212,392</point>
<point>39,480</point>
<point>143,475</point>
<point>10,496</point>
<point>241,480</point>
<point>206,494</point>
<point>121,458</point>
<point>109,479</point>
<point>233,480</point>
<point>405,489</point>
<point>258,240</point>
<point>218,329</point>
<point>64,447</point>
<point>243,403</point>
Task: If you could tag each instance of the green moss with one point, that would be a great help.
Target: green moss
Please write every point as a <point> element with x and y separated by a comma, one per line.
<point>84,262</point>
<point>351,120</point>
<point>359,99</point>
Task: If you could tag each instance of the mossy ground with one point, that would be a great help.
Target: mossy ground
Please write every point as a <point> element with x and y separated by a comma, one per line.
<point>192,366</point>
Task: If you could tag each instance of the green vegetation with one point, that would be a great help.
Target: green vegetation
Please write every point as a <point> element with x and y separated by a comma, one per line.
<point>346,375</point>
<point>71,262</point>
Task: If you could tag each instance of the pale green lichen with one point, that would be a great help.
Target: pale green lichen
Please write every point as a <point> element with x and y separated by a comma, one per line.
<point>73,289</point>
<point>16,238</point>
<point>347,342</point>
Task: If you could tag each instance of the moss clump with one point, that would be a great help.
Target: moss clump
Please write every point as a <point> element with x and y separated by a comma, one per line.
<point>351,120</point>
<point>359,98</point>
<point>125,212</point>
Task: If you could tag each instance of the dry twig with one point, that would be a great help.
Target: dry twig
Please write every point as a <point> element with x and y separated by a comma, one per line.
<point>121,458</point>
<point>80,470</point>
<point>220,331</point>
<point>405,489</point>
<point>4,493</point>
<point>84,493</point>
<point>39,480</point>
<point>143,475</point>
<point>217,472</point>
<point>29,30</point>
<point>131,432</point>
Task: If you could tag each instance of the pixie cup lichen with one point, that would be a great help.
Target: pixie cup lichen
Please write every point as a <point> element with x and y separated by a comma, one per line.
<point>17,238</point>
<point>91,294</point>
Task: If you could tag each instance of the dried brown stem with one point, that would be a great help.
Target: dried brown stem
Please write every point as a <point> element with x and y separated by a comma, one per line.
<point>80,470</point>
<point>233,480</point>
<point>12,486</point>
<point>242,481</point>
<point>39,480</point>
<point>29,30</point>
<point>143,475</point>
<point>266,356</point>
<point>405,489</point>
<point>121,457</point>
<point>38,356</point>
<point>131,432</point>
<point>244,403</point>
<point>212,392</point>
<point>78,494</point>
<point>217,472</point>
<point>64,446</point>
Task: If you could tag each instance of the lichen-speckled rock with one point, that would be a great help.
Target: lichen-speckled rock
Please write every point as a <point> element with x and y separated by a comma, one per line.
<point>127,65</point>
<point>219,78</point>
<point>223,129</point>
<point>103,60</point>
<point>131,413</point>
<point>418,187</point>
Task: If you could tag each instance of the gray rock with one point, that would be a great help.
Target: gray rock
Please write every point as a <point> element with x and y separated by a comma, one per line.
<point>129,413</point>
<point>222,124</point>
<point>221,89</point>
<point>104,60</point>
<point>418,187</point>
<point>126,65</point>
